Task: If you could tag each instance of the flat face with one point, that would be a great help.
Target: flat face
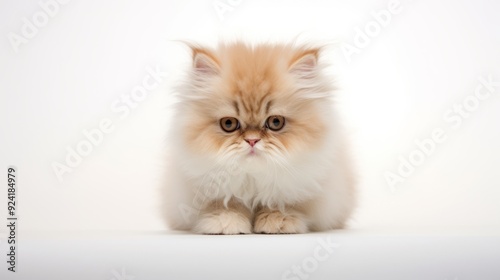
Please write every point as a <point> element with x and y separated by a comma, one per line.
<point>255,104</point>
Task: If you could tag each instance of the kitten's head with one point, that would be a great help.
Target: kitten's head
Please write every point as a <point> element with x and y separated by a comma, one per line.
<point>254,105</point>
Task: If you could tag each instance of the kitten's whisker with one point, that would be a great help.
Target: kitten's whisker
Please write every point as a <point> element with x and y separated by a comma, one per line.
<point>275,174</point>
<point>213,173</point>
<point>280,161</point>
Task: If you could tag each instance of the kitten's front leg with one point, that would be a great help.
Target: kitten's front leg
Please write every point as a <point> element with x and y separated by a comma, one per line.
<point>218,219</point>
<point>275,221</point>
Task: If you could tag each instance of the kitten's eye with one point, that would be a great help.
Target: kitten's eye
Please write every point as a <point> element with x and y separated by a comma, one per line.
<point>275,122</point>
<point>229,124</point>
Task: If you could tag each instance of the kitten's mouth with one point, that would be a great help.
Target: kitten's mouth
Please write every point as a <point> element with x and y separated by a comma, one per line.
<point>252,152</point>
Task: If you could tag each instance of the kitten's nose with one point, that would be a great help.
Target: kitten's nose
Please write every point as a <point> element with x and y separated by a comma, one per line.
<point>252,142</point>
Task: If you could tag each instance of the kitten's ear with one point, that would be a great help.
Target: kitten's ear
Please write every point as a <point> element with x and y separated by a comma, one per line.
<point>304,63</point>
<point>204,62</point>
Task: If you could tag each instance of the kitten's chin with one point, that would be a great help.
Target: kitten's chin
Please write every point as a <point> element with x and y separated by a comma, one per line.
<point>253,161</point>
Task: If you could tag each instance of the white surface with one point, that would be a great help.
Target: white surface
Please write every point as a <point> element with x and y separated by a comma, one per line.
<point>368,254</point>
<point>396,90</point>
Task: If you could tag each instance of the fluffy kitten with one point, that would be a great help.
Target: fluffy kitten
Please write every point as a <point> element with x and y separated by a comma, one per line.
<point>256,144</point>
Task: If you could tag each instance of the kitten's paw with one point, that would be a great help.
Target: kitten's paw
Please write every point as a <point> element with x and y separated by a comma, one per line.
<point>223,222</point>
<point>277,222</point>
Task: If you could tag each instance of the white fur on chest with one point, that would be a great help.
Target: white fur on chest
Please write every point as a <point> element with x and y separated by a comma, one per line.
<point>271,185</point>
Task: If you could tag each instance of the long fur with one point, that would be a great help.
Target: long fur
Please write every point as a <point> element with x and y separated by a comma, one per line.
<point>299,179</point>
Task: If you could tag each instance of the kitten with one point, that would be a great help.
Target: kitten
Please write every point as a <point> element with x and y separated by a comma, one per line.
<point>256,144</point>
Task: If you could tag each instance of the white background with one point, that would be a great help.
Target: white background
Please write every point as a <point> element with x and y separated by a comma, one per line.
<point>65,79</point>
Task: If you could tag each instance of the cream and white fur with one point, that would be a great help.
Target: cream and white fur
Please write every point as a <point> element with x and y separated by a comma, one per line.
<point>299,179</point>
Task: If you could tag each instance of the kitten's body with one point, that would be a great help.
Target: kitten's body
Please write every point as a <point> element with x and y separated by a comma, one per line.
<point>257,179</point>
